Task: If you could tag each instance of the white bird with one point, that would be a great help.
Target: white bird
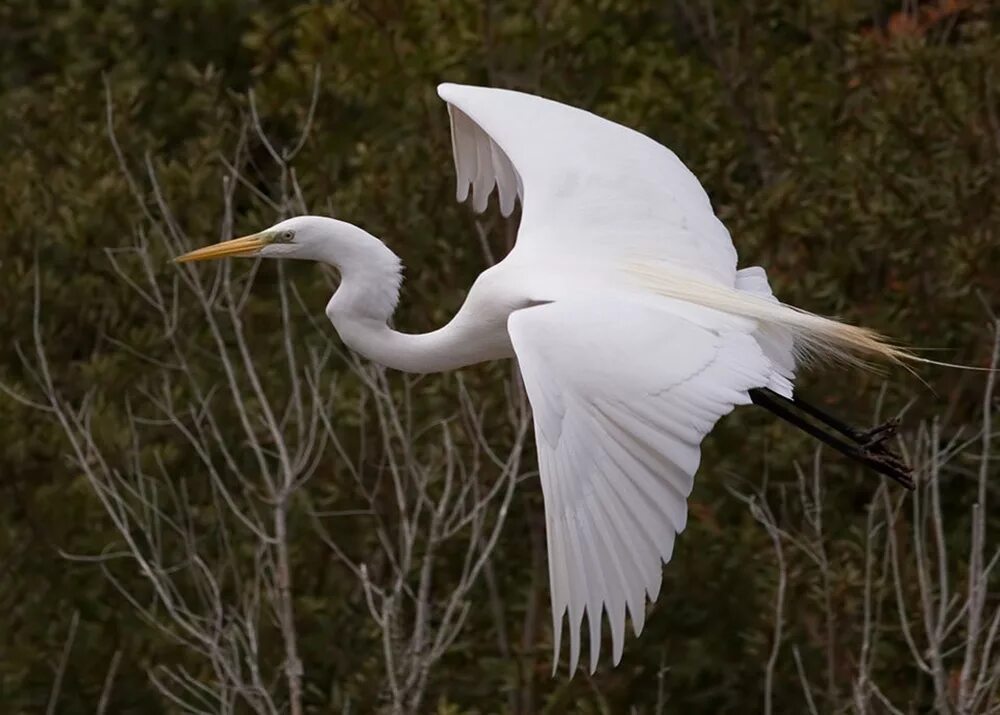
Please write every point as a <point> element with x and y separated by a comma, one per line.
<point>633,329</point>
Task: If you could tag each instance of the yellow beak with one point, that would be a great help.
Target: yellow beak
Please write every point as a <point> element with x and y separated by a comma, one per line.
<point>245,246</point>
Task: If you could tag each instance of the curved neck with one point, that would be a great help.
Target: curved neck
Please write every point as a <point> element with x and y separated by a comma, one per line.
<point>371,276</point>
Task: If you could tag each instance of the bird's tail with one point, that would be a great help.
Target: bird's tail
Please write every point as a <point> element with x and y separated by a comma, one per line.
<point>815,338</point>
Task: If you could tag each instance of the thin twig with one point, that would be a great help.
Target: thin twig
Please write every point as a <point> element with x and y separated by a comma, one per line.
<point>63,663</point>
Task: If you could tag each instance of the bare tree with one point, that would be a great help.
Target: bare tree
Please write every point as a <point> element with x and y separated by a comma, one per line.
<point>915,581</point>
<point>213,546</point>
<point>418,510</point>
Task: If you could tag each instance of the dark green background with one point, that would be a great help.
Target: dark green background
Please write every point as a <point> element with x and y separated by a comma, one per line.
<point>854,154</point>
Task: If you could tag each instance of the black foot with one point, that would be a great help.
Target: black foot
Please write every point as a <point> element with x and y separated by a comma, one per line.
<point>867,447</point>
<point>876,437</point>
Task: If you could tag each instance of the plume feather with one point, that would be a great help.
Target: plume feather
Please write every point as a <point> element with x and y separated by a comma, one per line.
<point>816,337</point>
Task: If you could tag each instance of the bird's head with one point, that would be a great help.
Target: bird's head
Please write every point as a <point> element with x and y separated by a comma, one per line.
<point>309,237</point>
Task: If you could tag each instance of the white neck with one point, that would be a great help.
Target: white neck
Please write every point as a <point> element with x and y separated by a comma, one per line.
<point>371,276</point>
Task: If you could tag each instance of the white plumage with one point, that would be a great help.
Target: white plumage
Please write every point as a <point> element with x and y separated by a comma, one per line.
<point>622,395</point>
<point>623,305</point>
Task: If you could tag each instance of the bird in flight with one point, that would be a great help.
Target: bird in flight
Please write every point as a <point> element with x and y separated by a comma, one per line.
<point>633,329</point>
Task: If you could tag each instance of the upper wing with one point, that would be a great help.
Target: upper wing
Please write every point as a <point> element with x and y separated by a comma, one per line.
<point>588,186</point>
<point>622,395</point>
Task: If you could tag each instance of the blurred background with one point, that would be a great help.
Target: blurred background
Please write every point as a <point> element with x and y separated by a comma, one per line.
<point>207,506</point>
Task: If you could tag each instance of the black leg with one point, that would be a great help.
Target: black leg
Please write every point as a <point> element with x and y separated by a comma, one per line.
<point>869,438</point>
<point>868,448</point>
<point>872,440</point>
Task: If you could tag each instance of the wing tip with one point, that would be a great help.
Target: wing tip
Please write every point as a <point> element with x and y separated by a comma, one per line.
<point>450,91</point>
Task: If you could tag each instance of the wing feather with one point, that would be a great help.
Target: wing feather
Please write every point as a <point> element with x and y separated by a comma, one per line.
<point>506,179</point>
<point>463,147</point>
<point>622,394</point>
<point>616,581</point>
<point>485,178</point>
<point>639,554</point>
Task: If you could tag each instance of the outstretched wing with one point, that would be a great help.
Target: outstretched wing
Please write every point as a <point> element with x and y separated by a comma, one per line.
<point>622,395</point>
<point>588,186</point>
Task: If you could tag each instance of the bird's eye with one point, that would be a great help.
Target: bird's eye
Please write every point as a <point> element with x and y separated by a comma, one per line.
<point>287,235</point>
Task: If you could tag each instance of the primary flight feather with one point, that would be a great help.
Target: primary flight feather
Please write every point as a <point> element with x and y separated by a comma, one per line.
<point>621,300</point>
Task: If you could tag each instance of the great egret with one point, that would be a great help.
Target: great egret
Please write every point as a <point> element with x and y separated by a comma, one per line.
<point>633,329</point>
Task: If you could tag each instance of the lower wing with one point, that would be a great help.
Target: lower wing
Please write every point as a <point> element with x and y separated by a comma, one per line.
<point>622,394</point>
